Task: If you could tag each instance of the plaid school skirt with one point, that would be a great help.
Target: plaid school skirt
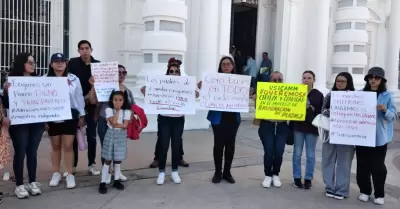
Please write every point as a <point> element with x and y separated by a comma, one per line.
<point>114,145</point>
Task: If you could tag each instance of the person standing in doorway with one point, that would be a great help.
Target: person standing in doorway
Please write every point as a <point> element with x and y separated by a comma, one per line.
<point>251,70</point>
<point>371,160</point>
<point>182,162</point>
<point>80,66</point>
<point>265,68</point>
<point>306,133</point>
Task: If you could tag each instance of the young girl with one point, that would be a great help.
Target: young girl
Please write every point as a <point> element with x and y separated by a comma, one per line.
<point>114,145</point>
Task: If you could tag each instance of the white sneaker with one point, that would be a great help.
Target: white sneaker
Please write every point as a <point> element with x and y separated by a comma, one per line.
<point>65,174</point>
<point>33,189</point>
<point>122,177</point>
<point>276,181</point>
<point>161,178</point>
<point>21,192</point>
<point>175,177</point>
<point>93,171</point>
<point>109,179</point>
<point>55,180</point>
<point>267,182</point>
<point>379,201</point>
<point>363,197</point>
<point>70,180</point>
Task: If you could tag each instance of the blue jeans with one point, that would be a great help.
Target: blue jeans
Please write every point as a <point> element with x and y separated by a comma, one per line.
<point>311,142</point>
<point>26,139</point>
<point>273,137</point>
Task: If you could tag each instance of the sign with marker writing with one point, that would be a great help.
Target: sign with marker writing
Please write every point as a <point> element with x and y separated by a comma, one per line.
<point>225,92</point>
<point>167,94</point>
<point>106,79</point>
<point>38,99</point>
<point>281,101</point>
<point>353,118</point>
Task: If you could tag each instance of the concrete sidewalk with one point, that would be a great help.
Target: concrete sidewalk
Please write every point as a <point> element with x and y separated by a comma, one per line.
<point>197,192</point>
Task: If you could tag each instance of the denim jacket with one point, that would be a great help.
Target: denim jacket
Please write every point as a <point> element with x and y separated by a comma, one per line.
<point>385,121</point>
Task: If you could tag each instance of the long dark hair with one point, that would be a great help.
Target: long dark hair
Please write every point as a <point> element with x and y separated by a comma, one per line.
<point>52,73</point>
<point>230,60</point>
<point>381,88</point>
<point>125,105</point>
<point>349,84</point>
<point>173,65</point>
<point>18,65</point>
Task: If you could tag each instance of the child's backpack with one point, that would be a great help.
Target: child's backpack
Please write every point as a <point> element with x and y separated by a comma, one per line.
<point>137,124</point>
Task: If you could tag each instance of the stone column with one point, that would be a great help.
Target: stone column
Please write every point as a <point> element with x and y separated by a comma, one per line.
<point>208,50</point>
<point>96,18</point>
<point>317,49</point>
<point>225,13</point>
<point>264,28</point>
<point>393,46</point>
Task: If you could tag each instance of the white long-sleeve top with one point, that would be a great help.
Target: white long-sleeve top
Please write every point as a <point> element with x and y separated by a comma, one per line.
<point>75,94</point>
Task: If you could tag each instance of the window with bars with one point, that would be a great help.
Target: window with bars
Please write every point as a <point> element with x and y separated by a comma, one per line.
<point>34,26</point>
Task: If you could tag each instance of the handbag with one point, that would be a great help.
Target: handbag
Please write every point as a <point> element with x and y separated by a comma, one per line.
<point>80,136</point>
<point>322,123</point>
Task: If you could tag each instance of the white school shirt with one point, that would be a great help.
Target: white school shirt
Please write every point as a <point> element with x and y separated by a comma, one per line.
<point>123,115</point>
<point>76,98</point>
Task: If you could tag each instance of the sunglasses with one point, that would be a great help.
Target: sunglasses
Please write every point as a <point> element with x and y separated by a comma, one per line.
<point>374,77</point>
<point>277,80</point>
<point>173,71</point>
<point>123,73</point>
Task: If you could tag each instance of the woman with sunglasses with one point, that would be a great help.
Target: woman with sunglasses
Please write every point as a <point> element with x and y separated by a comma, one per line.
<point>102,106</point>
<point>25,137</point>
<point>371,160</point>
<point>62,133</point>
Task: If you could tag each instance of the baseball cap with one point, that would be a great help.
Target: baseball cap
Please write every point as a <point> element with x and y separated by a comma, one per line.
<point>174,60</point>
<point>58,57</point>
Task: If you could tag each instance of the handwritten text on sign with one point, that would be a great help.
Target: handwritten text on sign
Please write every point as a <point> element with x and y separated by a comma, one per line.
<point>106,79</point>
<point>353,118</point>
<point>170,95</point>
<point>280,101</point>
<point>38,99</point>
<point>225,92</point>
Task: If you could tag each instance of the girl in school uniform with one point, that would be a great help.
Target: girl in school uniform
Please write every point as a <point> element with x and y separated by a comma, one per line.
<point>114,147</point>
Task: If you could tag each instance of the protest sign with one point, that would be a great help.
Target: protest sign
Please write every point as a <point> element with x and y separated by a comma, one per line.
<point>38,99</point>
<point>353,118</point>
<point>106,79</point>
<point>225,92</point>
<point>281,101</point>
<point>170,95</point>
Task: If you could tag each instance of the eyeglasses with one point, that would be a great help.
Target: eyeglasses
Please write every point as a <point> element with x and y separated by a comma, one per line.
<point>226,64</point>
<point>123,73</point>
<point>278,80</point>
<point>173,71</point>
<point>341,81</point>
<point>31,63</point>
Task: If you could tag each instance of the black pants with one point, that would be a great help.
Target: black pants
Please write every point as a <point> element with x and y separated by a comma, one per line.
<point>26,139</point>
<point>371,162</point>
<point>224,138</point>
<point>171,130</point>
<point>91,126</point>
<point>158,144</point>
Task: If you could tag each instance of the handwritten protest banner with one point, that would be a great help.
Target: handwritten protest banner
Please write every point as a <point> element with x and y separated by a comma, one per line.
<point>170,95</point>
<point>281,101</point>
<point>106,78</point>
<point>38,99</point>
<point>225,92</point>
<point>353,118</point>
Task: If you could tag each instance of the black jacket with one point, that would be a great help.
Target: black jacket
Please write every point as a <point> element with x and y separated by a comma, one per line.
<point>79,68</point>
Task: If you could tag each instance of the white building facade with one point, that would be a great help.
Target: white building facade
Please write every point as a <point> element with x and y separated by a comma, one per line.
<point>325,36</point>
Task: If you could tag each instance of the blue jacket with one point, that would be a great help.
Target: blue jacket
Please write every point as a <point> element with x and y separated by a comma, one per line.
<point>385,121</point>
<point>215,117</point>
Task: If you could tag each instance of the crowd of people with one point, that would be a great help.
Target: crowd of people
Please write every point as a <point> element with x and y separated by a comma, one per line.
<point>111,118</point>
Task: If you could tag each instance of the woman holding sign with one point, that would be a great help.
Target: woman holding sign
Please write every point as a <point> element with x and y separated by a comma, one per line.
<point>337,158</point>
<point>25,137</point>
<point>306,133</point>
<point>225,126</point>
<point>371,160</point>
<point>62,133</point>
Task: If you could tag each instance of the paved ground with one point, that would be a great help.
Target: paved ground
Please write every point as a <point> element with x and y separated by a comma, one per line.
<point>196,191</point>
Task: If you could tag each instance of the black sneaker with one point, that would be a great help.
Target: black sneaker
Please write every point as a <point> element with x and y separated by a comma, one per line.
<point>307,184</point>
<point>1,194</point>
<point>103,188</point>
<point>228,178</point>
<point>338,197</point>
<point>298,184</point>
<point>329,194</point>
<point>216,178</point>
<point>118,185</point>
